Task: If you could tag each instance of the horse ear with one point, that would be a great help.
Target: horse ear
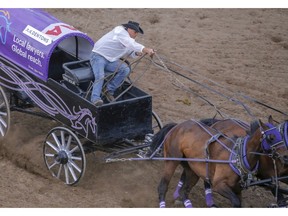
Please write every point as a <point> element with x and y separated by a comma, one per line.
<point>261,124</point>
<point>270,119</point>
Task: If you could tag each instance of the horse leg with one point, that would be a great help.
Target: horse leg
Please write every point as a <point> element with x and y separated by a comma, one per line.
<point>184,178</point>
<point>224,190</point>
<point>190,181</point>
<point>208,194</point>
<point>170,167</point>
<point>176,193</point>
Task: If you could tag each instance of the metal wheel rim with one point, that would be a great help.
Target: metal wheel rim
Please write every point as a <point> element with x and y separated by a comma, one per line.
<point>4,114</point>
<point>62,141</point>
<point>156,122</point>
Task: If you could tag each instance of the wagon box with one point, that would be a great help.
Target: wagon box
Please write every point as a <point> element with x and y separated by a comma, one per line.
<point>35,47</point>
<point>44,63</point>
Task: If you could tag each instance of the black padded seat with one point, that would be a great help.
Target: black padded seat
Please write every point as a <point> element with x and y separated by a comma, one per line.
<point>78,72</point>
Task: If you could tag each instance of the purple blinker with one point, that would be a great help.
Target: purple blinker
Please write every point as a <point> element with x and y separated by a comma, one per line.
<point>268,142</point>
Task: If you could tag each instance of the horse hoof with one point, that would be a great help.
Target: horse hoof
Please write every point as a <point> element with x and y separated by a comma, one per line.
<point>162,204</point>
<point>188,204</point>
<point>273,205</point>
<point>213,206</point>
<point>178,203</point>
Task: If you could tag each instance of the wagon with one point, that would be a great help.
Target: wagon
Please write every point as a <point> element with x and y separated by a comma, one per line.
<point>45,71</point>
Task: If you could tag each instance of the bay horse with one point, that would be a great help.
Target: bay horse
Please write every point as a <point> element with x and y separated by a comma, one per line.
<point>232,127</point>
<point>271,165</point>
<point>208,156</point>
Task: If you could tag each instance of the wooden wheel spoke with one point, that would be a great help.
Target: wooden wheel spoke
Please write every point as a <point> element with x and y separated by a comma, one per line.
<point>59,146</point>
<point>4,113</point>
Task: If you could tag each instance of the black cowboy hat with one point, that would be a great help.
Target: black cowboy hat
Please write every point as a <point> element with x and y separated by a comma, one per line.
<point>133,25</point>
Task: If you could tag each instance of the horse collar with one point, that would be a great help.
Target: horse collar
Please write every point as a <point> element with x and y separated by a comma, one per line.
<point>242,166</point>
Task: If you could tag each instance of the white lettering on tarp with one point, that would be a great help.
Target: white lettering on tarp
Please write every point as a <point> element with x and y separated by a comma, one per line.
<point>19,51</point>
<point>37,35</point>
<point>16,40</point>
<point>26,50</point>
<point>34,50</point>
<point>35,60</point>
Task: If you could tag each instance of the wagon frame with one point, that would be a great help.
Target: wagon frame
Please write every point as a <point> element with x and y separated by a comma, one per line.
<point>56,77</point>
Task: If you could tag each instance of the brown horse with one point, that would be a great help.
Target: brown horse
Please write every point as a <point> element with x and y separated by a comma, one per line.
<point>208,156</point>
<point>272,165</point>
<point>231,128</point>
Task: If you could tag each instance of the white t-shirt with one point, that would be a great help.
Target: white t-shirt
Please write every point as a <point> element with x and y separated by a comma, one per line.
<point>116,44</point>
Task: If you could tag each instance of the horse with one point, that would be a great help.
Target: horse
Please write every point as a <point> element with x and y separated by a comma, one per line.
<point>204,154</point>
<point>272,165</point>
<point>232,127</point>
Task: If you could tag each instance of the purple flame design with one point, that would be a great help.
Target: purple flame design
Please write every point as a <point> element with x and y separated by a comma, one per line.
<point>20,81</point>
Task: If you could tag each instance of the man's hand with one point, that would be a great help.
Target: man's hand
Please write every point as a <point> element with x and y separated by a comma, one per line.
<point>149,51</point>
<point>138,53</point>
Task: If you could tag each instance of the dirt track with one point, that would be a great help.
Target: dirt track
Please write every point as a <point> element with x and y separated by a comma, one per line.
<point>244,50</point>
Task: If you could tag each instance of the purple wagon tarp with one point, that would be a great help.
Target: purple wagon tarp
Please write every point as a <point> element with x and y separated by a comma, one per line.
<point>29,36</point>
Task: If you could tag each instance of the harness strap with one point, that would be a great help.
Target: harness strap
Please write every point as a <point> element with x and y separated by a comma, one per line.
<point>216,138</point>
<point>277,181</point>
<point>211,140</point>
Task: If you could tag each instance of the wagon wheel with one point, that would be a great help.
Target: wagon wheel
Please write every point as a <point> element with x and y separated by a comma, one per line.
<point>4,113</point>
<point>64,155</point>
<point>156,122</point>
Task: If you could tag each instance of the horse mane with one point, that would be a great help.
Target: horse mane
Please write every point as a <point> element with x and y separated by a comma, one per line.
<point>254,125</point>
<point>160,135</point>
<point>209,121</point>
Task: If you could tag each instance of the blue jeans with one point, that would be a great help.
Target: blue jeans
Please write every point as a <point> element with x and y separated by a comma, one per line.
<point>102,67</point>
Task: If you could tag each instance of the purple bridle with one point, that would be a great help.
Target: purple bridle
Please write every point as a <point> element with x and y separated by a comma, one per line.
<point>272,138</point>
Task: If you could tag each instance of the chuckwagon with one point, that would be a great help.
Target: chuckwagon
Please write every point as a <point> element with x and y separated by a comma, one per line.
<point>44,65</point>
<point>45,71</point>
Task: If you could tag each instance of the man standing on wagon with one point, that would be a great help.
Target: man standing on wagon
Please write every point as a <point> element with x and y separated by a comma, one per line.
<point>106,54</point>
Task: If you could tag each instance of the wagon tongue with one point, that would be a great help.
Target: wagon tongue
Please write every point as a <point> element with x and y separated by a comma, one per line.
<point>61,157</point>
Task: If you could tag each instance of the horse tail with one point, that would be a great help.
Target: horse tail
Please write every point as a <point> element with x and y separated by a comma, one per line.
<point>159,137</point>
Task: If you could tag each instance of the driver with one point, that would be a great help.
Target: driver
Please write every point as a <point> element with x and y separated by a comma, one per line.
<point>106,54</point>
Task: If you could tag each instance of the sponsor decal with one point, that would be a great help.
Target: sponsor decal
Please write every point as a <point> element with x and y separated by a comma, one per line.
<point>57,30</point>
<point>37,35</point>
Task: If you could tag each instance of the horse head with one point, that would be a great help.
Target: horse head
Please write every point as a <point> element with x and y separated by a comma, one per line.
<point>275,161</point>
<point>273,142</point>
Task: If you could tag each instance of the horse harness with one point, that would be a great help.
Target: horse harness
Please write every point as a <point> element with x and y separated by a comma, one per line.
<point>240,164</point>
<point>238,153</point>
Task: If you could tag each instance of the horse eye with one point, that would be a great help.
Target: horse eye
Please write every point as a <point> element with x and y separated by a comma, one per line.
<point>270,137</point>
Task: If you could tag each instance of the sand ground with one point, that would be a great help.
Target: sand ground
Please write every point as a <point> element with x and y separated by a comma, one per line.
<point>241,50</point>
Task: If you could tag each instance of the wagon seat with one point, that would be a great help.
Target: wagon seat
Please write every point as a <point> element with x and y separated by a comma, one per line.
<point>80,74</point>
